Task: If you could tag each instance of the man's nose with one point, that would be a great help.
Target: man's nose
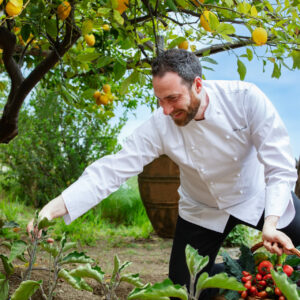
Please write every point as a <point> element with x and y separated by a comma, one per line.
<point>167,108</point>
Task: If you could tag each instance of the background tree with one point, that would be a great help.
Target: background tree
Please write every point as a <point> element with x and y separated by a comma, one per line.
<point>86,39</point>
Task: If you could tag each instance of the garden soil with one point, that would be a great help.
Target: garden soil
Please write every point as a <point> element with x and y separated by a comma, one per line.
<point>148,257</point>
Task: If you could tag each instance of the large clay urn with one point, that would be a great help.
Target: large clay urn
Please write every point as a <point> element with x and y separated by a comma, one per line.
<point>158,184</point>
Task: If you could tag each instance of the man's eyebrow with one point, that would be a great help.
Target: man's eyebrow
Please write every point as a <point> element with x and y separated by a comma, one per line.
<point>169,96</point>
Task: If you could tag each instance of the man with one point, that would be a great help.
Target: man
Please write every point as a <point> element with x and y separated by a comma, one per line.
<point>234,156</point>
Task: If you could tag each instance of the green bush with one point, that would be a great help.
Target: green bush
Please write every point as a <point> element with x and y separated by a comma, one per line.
<point>56,142</point>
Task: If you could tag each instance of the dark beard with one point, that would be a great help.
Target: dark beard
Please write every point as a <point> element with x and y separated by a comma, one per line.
<point>189,114</point>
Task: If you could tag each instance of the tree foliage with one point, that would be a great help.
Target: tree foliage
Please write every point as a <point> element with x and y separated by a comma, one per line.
<point>127,36</point>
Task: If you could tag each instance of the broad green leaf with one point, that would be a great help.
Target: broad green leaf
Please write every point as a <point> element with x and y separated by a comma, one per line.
<point>224,28</point>
<point>25,32</point>
<point>50,248</point>
<point>289,290</point>
<point>26,289</point>
<point>63,241</point>
<point>70,245</point>
<point>133,279</point>
<point>243,7</point>
<point>200,282</point>
<point>17,248</point>
<point>76,257</point>
<point>222,281</point>
<point>87,271</point>
<point>8,267</point>
<point>76,282</point>
<point>124,85</point>
<point>114,4</point>
<point>269,5</point>
<point>118,18</point>
<point>51,27</point>
<point>7,244</point>
<point>104,61</point>
<point>103,11</point>
<point>182,3</point>
<point>176,42</point>
<point>4,287</point>
<point>296,59</point>
<point>44,223</point>
<point>229,3</point>
<point>17,3</point>
<point>231,266</point>
<point>195,262</point>
<point>87,27</point>
<point>241,69</point>
<point>119,70</point>
<point>249,54</point>
<point>171,5</point>
<point>253,11</point>
<point>88,57</point>
<point>213,22</point>
<point>159,291</point>
<point>276,71</point>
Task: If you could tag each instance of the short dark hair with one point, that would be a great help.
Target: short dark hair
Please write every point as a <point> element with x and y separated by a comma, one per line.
<point>184,63</point>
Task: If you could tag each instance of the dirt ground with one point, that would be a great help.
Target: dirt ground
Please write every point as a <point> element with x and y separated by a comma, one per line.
<point>149,258</point>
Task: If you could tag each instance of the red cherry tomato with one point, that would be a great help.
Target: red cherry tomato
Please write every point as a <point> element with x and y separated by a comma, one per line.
<point>245,273</point>
<point>281,298</point>
<point>253,290</point>
<point>277,291</point>
<point>258,277</point>
<point>288,270</point>
<point>248,285</point>
<point>244,294</point>
<point>264,267</point>
<point>262,294</point>
<point>247,278</point>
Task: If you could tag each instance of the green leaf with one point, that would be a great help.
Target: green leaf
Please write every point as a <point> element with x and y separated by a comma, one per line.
<point>69,245</point>
<point>17,248</point>
<point>88,57</point>
<point>224,282</point>
<point>44,223</point>
<point>76,282</point>
<point>25,32</point>
<point>232,267</point>
<point>289,290</point>
<point>118,18</point>
<point>8,267</point>
<point>76,257</point>
<point>276,71</point>
<point>51,27</point>
<point>104,61</point>
<point>4,287</point>
<point>296,59</point>
<point>133,279</point>
<point>159,291</point>
<point>246,259</point>
<point>119,70</point>
<point>210,60</point>
<point>171,5</point>
<point>249,54</point>
<point>87,271</point>
<point>116,267</point>
<point>241,69</point>
<point>26,289</point>
<point>10,224</point>
<point>176,42</point>
<point>200,282</point>
<point>50,248</point>
<point>104,11</point>
<point>224,28</point>
<point>87,27</point>
<point>195,262</point>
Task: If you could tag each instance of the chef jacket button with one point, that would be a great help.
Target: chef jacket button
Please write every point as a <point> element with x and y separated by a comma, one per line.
<point>238,175</point>
<point>220,198</point>
<point>227,137</point>
<point>241,192</point>
<point>202,170</point>
<point>211,183</point>
<point>235,158</point>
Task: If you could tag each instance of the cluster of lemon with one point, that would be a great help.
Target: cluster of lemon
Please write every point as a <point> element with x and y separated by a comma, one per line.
<point>13,7</point>
<point>104,97</point>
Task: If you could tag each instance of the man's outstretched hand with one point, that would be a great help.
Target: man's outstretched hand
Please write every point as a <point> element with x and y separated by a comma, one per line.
<point>274,240</point>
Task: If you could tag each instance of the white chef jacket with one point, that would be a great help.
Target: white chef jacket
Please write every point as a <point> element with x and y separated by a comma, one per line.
<point>237,161</point>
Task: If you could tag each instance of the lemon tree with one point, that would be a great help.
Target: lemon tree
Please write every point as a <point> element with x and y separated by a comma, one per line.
<point>92,43</point>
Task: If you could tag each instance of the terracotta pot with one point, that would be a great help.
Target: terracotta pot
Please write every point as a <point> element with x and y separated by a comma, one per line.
<point>158,184</point>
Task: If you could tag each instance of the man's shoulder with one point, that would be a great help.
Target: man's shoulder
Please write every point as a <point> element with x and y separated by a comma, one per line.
<point>229,86</point>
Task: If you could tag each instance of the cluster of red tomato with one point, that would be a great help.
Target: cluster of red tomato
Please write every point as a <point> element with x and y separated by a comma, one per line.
<point>261,284</point>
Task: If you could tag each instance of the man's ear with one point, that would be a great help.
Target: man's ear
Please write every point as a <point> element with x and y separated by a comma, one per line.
<point>198,84</point>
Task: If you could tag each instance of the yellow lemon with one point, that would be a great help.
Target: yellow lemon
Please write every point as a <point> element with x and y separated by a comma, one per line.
<point>12,10</point>
<point>90,39</point>
<point>106,88</point>
<point>103,99</point>
<point>259,36</point>
<point>96,95</point>
<point>1,2</point>
<point>205,19</point>
<point>122,5</point>
<point>63,10</point>
<point>184,45</point>
<point>106,27</point>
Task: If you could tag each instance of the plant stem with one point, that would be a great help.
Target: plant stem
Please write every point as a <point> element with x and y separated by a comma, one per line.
<point>32,259</point>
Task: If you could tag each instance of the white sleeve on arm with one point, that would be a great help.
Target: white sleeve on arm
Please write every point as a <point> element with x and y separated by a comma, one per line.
<point>105,175</point>
<point>272,142</point>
